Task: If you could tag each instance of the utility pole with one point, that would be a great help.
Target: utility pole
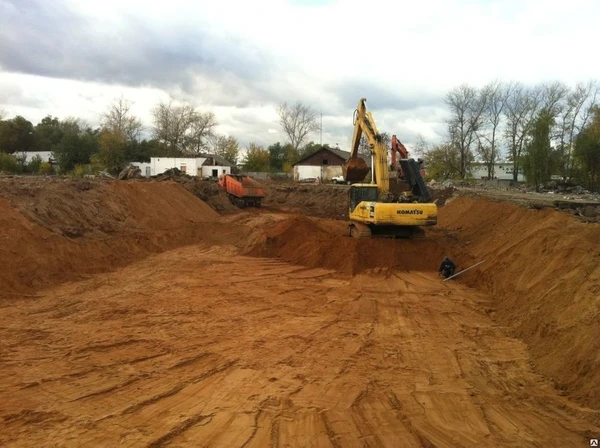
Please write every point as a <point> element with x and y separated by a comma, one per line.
<point>321,127</point>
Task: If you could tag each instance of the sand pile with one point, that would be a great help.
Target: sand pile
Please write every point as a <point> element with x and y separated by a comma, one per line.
<point>60,231</point>
<point>542,269</point>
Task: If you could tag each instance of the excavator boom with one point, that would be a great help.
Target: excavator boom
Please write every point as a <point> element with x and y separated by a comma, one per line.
<point>356,168</point>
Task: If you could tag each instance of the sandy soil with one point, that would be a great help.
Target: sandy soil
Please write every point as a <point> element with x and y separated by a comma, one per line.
<point>132,314</point>
<point>203,347</point>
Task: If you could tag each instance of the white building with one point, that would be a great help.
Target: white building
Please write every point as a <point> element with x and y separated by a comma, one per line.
<point>204,165</point>
<point>324,164</point>
<point>46,156</point>
<point>502,171</point>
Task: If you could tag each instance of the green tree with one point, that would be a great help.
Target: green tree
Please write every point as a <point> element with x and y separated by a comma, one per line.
<point>34,165</point>
<point>46,168</point>
<point>16,135</point>
<point>227,147</point>
<point>587,151</point>
<point>257,158</point>
<point>47,134</point>
<point>112,155</point>
<point>292,155</point>
<point>442,162</point>
<point>276,156</point>
<point>537,162</point>
<point>76,147</point>
<point>142,151</point>
<point>8,163</point>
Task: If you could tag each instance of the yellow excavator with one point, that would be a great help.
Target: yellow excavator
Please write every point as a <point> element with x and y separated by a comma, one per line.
<point>374,209</point>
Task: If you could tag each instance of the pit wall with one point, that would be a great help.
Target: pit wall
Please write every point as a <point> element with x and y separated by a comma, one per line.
<point>542,269</point>
<point>62,234</point>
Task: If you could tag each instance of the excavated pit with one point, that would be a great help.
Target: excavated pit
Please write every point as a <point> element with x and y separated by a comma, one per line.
<point>327,244</point>
<point>73,267</point>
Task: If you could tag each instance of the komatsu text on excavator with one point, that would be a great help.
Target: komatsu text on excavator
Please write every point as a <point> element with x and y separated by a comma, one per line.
<point>374,209</point>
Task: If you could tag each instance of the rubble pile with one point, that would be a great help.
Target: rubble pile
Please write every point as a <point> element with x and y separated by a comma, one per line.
<point>130,172</point>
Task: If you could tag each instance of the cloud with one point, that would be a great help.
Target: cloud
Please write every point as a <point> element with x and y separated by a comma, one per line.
<point>239,58</point>
<point>13,94</point>
<point>50,39</point>
<point>399,98</point>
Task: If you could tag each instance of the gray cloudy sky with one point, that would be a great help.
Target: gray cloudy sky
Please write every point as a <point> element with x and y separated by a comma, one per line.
<point>240,58</point>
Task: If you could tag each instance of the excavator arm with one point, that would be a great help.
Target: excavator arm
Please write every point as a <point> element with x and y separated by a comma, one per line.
<point>355,169</point>
<point>399,149</point>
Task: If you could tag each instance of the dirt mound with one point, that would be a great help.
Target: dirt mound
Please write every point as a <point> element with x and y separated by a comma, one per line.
<point>75,208</point>
<point>53,231</point>
<point>441,195</point>
<point>319,200</point>
<point>209,191</point>
<point>542,268</point>
<point>326,244</point>
<point>324,200</point>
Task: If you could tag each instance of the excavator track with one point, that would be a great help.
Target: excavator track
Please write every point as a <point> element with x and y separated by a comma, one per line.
<point>359,230</point>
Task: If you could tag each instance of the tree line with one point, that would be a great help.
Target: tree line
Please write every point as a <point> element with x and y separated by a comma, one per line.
<point>544,130</point>
<point>179,130</point>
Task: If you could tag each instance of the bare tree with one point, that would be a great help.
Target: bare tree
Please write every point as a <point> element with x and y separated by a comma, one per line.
<point>520,110</point>
<point>172,124</point>
<point>364,148</point>
<point>497,95</point>
<point>553,98</point>
<point>117,118</point>
<point>297,121</point>
<point>467,107</point>
<point>201,131</point>
<point>573,118</point>
<point>421,146</point>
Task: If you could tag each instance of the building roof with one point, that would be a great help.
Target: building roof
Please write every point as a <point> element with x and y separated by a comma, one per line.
<point>345,155</point>
<point>220,161</point>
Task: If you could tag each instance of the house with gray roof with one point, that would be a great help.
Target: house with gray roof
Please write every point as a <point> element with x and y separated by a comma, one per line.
<point>324,164</point>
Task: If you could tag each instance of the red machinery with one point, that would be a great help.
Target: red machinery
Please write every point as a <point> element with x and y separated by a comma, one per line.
<point>398,147</point>
<point>242,191</point>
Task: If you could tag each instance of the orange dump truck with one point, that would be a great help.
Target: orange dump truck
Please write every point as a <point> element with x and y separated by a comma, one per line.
<point>242,191</point>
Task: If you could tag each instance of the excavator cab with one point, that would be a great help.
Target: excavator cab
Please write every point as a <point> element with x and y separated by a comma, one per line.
<point>362,193</point>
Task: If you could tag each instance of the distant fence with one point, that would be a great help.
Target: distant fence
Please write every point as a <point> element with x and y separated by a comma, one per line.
<point>505,183</point>
<point>266,175</point>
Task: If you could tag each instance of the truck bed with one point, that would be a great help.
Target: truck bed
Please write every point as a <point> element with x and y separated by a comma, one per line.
<point>242,186</point>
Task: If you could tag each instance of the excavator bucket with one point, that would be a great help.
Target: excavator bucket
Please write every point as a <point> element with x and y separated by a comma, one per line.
<point>355,170</point>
